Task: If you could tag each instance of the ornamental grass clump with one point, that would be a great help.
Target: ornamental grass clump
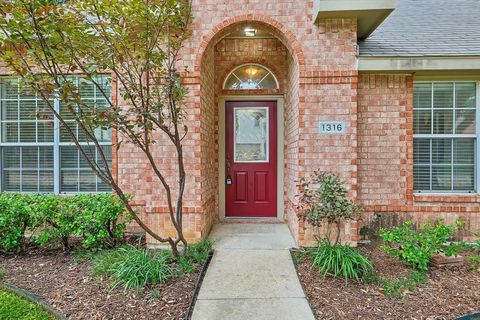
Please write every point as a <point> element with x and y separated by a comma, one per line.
<point>340,261</point>
<point>134,268</point>
<point>195,254</point>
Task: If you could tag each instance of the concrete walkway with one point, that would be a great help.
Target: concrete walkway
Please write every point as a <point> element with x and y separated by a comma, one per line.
<point>251,276</point>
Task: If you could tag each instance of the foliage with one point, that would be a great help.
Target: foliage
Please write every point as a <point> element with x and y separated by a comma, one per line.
<point>96,218</point>
<point>15,218</point>
<point>395,288</point>
<point>14,307</point>
<point>53,219</point>
<point>323,199</point>
<point>475,245</point>
<point>340,261</point>
<point>155,295</point>
<point>195,254</point>
<point>2,273</point>
<point>55,222</point>
<point>298,256</point>
<point>418,247</point>
<point>474,262</point>
<point>134,268</point>
<point>48,42</point>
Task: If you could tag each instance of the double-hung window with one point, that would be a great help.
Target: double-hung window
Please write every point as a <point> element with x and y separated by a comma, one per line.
<point>36,153</point>
<point>445,136</point>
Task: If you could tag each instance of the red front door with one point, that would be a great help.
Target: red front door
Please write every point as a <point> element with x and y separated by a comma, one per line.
<point>251,159</point>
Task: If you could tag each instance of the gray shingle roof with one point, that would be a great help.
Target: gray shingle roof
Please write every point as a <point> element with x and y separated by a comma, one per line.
<point>427,28</point>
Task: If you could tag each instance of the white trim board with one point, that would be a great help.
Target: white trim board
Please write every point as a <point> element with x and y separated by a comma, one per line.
<point>413,64</point>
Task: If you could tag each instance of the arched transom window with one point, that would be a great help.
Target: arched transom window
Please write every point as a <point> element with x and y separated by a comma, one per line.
<point>250,77</point>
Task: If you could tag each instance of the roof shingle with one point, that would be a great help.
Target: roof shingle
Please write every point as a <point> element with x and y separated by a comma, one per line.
<point>427,28</point>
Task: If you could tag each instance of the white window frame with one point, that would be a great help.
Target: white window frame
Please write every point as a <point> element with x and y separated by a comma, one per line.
<point>56,144</point>
<point>250,64</point>
<point>476,136</point>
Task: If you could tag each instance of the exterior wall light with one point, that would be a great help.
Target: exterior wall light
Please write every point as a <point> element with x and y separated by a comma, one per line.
<point>250,32</point>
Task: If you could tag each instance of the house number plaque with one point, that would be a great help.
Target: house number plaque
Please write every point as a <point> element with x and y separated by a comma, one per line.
<point>331,127</point>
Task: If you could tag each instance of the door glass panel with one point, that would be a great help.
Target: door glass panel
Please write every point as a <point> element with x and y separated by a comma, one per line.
<point>251,134</point>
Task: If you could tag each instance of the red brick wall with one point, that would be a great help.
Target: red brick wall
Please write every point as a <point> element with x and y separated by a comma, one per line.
<point>316,66</point>
<point>230,53</point>
<point>208,155</point>
<point>291,145</point>
<point>328,91</point>
<point>385,161</point>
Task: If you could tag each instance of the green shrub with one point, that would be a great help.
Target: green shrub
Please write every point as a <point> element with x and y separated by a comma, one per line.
<point>474,262</point>
<point>54,221</point>
<point>15,218</point>
<point>97,219</point>
<point>2,273</point>
<point>474,259</point>
<point>418,247</point>
<point>134,268</point>
<point>323,200</point>
<point>340,261</point>
<point>94,217</point>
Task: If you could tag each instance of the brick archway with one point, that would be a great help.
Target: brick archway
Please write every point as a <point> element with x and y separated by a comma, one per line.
<point>211,103</point>
<point>276,28</point>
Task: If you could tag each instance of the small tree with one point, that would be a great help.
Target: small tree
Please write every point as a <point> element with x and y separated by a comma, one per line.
<point>323,200</point>
<point>137,43</point>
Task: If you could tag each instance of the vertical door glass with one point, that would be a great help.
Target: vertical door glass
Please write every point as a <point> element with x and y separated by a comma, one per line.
<point>251,134</point>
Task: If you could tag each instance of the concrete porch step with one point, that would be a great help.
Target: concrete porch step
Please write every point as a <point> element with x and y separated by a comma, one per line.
<point>251,276</point>
<point>252,236</point>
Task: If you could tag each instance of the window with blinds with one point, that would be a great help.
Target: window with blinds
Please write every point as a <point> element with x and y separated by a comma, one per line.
<point>31,148</point>
<point>445,136</point>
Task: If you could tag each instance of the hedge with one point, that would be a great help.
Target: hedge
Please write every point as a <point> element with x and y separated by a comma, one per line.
<point>98,219</point>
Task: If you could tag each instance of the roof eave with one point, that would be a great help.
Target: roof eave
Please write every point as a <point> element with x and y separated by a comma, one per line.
<point>368,13</point>
<point>418,63</point>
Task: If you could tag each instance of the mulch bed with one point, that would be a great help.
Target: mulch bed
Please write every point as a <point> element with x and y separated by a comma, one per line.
<point>448,293</point>
<point>69,286</point>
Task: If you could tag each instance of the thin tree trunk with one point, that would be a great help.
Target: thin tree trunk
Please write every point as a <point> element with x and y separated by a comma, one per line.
<point>337,237</point>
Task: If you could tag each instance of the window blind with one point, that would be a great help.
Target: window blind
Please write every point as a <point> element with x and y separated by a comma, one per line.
<point>28,144</point>
<point>444,136</point>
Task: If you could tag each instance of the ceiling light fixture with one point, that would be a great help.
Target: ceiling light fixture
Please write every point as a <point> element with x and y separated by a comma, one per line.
<point>250,32</point>
<point>251,71</point>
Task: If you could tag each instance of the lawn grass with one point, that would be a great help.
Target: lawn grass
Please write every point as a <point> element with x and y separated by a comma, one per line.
<point>14,307</point>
